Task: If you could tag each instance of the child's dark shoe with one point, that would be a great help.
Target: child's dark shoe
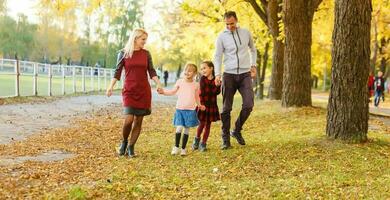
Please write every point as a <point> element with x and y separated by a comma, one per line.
<point>202,147</point>
<point>122,148</point>
<point>195,145</point>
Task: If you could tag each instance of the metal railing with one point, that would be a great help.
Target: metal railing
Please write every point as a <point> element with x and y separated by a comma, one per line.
<point>68,78</point>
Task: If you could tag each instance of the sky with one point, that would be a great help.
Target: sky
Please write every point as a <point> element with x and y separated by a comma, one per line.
<point>22,6</point>
<point>27,7</point>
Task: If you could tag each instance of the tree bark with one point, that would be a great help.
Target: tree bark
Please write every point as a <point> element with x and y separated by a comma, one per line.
<point>382,51</point>
<point>375,50</point>
<point>297,18</point>
<point>264,67</point>
<point>268,12</point>
<point>257,82</point>
<point>347,117</point>
<point>276,85</point>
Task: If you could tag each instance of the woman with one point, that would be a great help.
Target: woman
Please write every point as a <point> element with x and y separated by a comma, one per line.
<point>136,92</point>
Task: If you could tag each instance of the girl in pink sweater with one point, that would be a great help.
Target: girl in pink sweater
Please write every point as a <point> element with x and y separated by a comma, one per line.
<point>187,91</point>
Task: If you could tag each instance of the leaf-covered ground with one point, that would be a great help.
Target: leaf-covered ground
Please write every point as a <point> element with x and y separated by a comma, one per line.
<point>286,156</point>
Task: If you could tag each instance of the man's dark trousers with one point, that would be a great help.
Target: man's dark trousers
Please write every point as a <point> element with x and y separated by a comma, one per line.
<point>230,84</point>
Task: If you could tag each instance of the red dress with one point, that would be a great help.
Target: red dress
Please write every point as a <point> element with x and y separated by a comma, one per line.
<point>136,92</point>
<point>208,97</point>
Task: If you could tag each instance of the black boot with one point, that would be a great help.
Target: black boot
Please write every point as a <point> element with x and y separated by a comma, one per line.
<point>203,147</point>
<point>238,137</point>
<point>226,142</point>
<point>130,151</point>
<point>195,145</point>
<point>122,148</point>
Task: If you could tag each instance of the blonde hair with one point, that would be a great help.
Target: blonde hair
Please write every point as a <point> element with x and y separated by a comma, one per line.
<point>129,48</point>
<point>194,67</point>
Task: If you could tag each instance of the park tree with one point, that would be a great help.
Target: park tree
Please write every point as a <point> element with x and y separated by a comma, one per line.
<point>297,19</point>
<point>380,36</point>
<point>130,17</point>
<point>7,36</point>
<point>347,117</point>
<point>198,16</point>
<point>269,11</point>
<point>321,45</point>
<point>3,7</point>
<point>58,14</point>
<point>188,32</point>
<point>17,40</point>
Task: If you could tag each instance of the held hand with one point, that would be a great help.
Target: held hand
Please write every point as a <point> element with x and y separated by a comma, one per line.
<point>159,86</point>
<point>160,90</point>
<point>253,72</point>
<point>218,80</point>
<point>202,107</point>
<point>109,92</point>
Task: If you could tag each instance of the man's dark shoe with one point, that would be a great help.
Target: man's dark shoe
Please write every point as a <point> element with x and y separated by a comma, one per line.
<point>122,148</point>
<point>238,137</point>
<point>226,144</point>
<point>130,151</point>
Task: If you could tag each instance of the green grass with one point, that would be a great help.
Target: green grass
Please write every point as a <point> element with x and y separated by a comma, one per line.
<point>77,193</point>
<point>287,156</point>
<point>7,85</point>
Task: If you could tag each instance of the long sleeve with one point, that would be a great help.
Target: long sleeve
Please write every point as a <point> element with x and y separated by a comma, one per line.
<point>119,65</point>
<point>172,91</point>
<point>218,56</point>
<point>218,89</point>
<point>151,70</point>
<point>197,98</point>
<point>252,50</point>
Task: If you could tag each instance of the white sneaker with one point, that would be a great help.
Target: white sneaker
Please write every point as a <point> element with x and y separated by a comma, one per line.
<point>183,152</point>
<point>175,150</point>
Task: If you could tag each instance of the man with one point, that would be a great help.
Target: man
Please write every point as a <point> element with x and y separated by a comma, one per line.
<point>236,45</point>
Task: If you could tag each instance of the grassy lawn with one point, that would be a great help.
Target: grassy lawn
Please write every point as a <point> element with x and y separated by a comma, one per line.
<point>287,156</point>
<point>7,85</point>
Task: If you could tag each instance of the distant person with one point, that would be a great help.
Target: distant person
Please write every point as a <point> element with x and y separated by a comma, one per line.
<point>96,70</point>
<point>236,46</point>
<point>166,75</point>
<point>370,85</point>
<point>187,91</point>
<point>379,84</point>
<point>136,93</point>
<point>208,97</point>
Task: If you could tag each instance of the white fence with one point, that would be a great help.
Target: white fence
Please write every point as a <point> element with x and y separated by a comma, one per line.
<point>33,79</point>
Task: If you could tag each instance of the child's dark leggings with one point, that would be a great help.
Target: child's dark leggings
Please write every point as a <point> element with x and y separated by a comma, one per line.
<point>206,126</point>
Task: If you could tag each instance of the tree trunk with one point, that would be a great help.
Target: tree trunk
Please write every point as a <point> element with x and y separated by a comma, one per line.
<point>297,18</point>
<point>257,82</point>
<point>262,75</point>
<point>375,50</point>
<point>178,72</point>
<point>276,85</point>
<point>382,51</point>
<point>347,117</point>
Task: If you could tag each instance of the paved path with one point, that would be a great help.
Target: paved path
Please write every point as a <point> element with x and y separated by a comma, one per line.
<point>21,120</point>
<point>373,110</point>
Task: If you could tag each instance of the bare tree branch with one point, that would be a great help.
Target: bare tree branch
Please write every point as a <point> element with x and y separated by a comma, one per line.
<point>315,4</point>
<point>264,4</point>
<point>262,13</point>
<point>216,19</point>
